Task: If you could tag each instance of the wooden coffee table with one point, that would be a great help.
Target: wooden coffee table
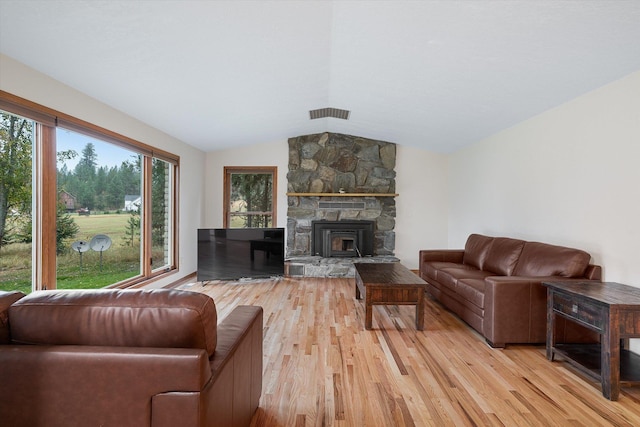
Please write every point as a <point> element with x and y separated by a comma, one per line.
<point>389,284</point>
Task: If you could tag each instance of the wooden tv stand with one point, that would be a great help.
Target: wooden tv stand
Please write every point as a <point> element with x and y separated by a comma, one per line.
<point>612,310</point>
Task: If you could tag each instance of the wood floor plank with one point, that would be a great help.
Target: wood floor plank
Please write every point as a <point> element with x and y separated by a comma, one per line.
<point>322,368</point>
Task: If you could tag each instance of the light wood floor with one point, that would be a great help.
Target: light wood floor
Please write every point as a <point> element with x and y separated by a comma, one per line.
<point>322,368</point>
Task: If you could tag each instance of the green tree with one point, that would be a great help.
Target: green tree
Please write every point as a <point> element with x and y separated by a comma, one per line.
<point>101,188</point>
<point>66,155</point>
<point>85,174</point>
<point>63,175</point>
<point>130,177</point>
<point>66,228</point>
<point>159,175</point>
<point>255,190</point>
<point>115,189</point>
<point>133,228</point>
<point>86,167</point>
<point>15,170</point>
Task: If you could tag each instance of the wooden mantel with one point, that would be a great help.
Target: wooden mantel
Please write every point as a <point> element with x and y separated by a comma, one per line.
<point>342,194</point>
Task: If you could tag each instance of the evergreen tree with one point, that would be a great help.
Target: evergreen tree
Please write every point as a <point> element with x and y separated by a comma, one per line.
<point>101,188</point>
<point>66,228</point>
<point>130,176</point>
<point>159,176</point>
<point>133,228</point>
<point>115,189</point>
<point>255,190</point>
<point>85,174</point>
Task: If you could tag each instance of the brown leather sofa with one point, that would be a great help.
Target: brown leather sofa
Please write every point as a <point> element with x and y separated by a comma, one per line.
<point>127,358</point>
<point>495,285</point>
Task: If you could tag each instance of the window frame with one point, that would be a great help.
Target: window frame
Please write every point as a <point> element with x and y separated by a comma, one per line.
<point>45,193</point>
<point>230,170</point>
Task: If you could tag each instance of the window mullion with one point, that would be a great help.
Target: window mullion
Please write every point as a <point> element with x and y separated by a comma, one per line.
<point>45,208</point>
<point>146,220</point>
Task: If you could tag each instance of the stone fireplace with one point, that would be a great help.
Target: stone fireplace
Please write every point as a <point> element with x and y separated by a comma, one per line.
<point>340,180</point>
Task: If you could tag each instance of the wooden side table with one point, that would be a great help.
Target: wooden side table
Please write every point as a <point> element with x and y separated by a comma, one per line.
<point>612,310</point>
<point>389,284</point>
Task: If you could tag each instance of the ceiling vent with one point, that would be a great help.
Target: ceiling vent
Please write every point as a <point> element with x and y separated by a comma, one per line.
<point>336,113</point>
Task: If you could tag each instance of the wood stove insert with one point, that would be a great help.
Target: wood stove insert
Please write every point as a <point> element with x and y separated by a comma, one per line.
<point>342,238</point>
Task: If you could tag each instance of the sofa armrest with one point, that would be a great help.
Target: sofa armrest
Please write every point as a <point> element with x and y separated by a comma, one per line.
<point>6,300</point>
<point>593,272</point>
<point>441,255</point>
<point>515,309</point>
<point>93,385</point>
<point>236,387</point>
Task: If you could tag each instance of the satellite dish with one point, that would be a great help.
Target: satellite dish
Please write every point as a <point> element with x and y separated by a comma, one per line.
<point>80,246</point>
<point>100,242</point>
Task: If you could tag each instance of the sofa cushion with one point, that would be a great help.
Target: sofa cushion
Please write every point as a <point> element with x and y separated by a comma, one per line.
<point>503,255</point>
<point>541,259</point>
<point>130,318</point>
<point>450,276</point>
<point>6,299</point>
<point>432,268</point>
<point>476,249</point>
<point>472,290</point>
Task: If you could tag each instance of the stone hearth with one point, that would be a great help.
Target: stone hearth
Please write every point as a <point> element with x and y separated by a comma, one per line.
<point>315,266</point>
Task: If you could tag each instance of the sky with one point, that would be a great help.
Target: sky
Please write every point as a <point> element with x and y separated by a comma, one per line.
<point>107,154</point>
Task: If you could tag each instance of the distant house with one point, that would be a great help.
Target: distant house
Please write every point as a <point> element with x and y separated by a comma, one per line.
<point>132,202</point>
<point>68,200</point>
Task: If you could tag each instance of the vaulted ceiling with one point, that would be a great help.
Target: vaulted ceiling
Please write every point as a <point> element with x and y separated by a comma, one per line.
<point>433,74</point>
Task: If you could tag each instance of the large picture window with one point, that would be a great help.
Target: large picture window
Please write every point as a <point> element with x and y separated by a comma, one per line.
<point>104,206</point>
<point>99,205</point>
<point>250,196</point>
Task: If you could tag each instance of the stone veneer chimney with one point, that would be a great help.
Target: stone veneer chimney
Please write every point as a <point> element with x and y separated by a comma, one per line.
<point>331,163</point>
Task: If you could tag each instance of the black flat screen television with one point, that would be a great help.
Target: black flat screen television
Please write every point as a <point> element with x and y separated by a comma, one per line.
<point>239,253</point>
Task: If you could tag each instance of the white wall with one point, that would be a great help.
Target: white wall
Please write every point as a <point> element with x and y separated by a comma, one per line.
<point>27,83</point>
<point>421,220</point>
<point>422,204</point>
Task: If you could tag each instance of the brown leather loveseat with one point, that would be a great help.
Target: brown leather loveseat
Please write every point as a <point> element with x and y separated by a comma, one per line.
<point>495,285</point>
<point>127,358</point>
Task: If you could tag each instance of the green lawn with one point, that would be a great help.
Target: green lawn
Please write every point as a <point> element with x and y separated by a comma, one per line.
<point>119,262</point>
<point>113,225</point>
